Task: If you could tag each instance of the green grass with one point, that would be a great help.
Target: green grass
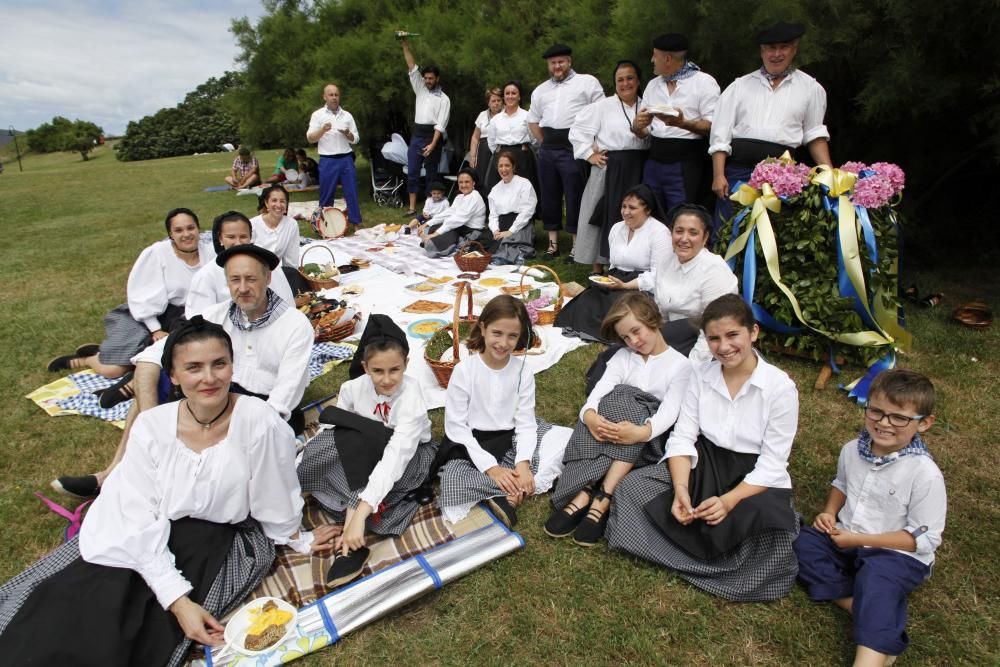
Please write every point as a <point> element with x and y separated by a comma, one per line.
<point>71,231</point>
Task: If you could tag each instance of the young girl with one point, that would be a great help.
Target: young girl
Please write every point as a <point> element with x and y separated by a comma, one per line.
<point>623,423</point>
<point>491,442</point>
<point>721,515</point>
<point>366,469</point>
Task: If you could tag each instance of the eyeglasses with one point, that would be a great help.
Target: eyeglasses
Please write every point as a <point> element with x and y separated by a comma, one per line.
<point>895,419</point>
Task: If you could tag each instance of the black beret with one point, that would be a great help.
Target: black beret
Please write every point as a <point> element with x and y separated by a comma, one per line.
<point>671,41</point>
<point>781,32</point>
<point>263,254</point>
<point>557,50</point>
<point>437,185</point>
<point>379,327</point>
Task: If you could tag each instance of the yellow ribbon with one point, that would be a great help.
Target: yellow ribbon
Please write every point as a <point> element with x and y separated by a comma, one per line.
<point>837,181</point>
<point>762,200</point>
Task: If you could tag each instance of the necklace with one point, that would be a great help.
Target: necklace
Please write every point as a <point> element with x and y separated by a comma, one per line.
<point>628,120</point>
<point>207,425</point>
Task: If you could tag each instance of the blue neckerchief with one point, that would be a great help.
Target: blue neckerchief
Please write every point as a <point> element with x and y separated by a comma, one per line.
<point>771,77</point>
<point>688,70</point>
<point>275,308</point>
<point>566,78</point>
<point>916,447</point>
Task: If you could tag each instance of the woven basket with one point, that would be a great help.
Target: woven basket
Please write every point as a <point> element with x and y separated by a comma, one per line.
<point>442,369</point>
<point>315,283</point>
<point>323,333</point>
<point>472,264</point>
<point>545,316</point>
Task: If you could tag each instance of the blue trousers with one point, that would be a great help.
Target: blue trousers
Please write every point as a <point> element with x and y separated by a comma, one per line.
<point>724,207</point>
<point>667,182</point>
<point>879,580</point>
<point>415,160</point>
<point>559,175</point>
<point>339,170</point>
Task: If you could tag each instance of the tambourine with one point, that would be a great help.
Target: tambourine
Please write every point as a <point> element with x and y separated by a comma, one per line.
<point>332,224</point>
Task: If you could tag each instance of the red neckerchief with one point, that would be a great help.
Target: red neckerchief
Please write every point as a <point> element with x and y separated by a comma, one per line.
<point>382,410</point>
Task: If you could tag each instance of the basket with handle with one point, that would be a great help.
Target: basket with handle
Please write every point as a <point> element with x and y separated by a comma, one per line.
<point>545,316</point>
<point>472,264</point>
<point>317,283</point>
<point>323,333</point>
<point>442,369</point>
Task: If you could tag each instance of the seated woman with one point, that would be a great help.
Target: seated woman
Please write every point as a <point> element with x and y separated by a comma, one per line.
<point>508,131</point>
<point>512,205</point>
<point>637,245</point>
<point>464,220</point>
<point>286,161</point>
<point>719,511</point>
<point>155,292</point>
<point>480,154</point>
<point>623,424</point>
<point>279,233</point>
<point>308,168</point>
<point>183,530</point>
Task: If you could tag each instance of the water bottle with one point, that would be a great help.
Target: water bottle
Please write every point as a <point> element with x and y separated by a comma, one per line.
<point>402,34</point>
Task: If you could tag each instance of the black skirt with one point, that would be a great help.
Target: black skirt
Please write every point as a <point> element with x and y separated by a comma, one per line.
<point>484,159</point>
<point>582,316</point>
<point>526,166</point>
<point>624,171</point>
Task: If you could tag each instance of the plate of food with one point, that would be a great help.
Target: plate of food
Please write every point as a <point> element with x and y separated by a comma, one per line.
<point>260,625</point>
<point>492,282</point>
<point>603,281</point>
<point>441,280</point>
<point>424,287</point>
<point>515,289</point>
<point>425,329</point>
<point>424,307</point>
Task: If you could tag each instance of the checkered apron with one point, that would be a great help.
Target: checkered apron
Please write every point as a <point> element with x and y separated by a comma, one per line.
<point>125,337</point>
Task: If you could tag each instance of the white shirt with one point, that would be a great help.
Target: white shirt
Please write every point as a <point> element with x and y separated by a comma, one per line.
<point>696,97</point>
<point>518,196</point>
<point>160,278</point>
<point>408,418</point>
<point>432,108</point>
<point>607,122</point>
<point>333,141</point>
<point>467,210</point>
<point>283,240</point>
<point>761,420</point>
<point>555,104</point>
<point>483,122</point>
<point>479,397</point>
<point>683,290</point>
<point>434,208</point>
<point>251,472</point>
<point>649,246</point>
<point>791,114</point>
<point>209,287</point>
<point>509,130</point>
<point>905,494</point>
<point>664,375</point>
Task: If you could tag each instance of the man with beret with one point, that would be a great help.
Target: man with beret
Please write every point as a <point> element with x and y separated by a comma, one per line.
<point>430,125</point>
<point>333,130</point>
<point>554,105</point>
<point>677,153</point>
<point>272,344</point>
<point>765,113</point>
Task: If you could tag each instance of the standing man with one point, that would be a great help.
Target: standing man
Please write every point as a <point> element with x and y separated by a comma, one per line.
<point>675,166</point>
<point>765,113</point>
<point>554,105</point>
<point>334,129</point>
<point>430,125</point>
<point>245,172</point>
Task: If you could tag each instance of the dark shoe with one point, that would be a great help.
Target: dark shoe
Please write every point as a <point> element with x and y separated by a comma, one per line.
<point>503,510</point>
<point>553,250</point>
<point>562,523</point>
<point>589,532</point>
<point>933,300</point>
<point>64,363</point>
<point>88,350</point>
<point>346,568</point>
<point>410,214</point>
<point>119,392</point>
<point>425,494</point>
<point>78,487</point>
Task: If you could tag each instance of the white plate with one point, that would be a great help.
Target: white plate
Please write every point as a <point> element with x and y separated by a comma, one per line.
<point>603,281</point>
<point>236,629</point>
<point>663,110</point>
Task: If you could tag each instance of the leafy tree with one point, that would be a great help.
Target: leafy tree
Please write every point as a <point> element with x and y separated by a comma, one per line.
<point>63,134</point>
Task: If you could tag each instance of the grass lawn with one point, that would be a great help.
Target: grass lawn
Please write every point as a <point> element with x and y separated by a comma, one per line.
<point>71,231</point>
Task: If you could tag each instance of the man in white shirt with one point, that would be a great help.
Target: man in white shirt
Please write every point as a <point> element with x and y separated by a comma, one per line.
<point>334,130</point>
<point>765,113</point>
<point>430,125</point>
<point>675,166</point>
<point>554,106</point>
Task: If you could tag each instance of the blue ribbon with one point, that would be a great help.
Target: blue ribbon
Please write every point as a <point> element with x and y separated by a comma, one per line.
<point>859,392</point>
<point>763,317</point>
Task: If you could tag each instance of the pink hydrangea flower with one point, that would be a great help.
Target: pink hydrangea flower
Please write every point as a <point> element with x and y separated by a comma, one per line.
<point>873,192</point>
<point>787,179</point>
<point>891,172</point>
<point>854,167</point>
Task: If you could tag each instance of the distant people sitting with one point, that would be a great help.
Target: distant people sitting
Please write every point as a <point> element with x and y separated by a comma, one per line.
<point>308,168</point>
<point>246,171</point>
<point>286,162</point>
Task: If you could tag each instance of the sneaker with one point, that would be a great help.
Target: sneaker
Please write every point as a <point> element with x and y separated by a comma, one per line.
<point>119,392</point>
<point>347,568</point>
<point>79,487</point>
<point>503,510</point>
<point>88,350</point>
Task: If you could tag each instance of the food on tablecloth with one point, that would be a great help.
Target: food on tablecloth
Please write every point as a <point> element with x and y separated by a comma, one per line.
<point>492,282</point>
<point>361,262</point>
<point>440,281</point>
<point>514,289</point>
<point>468,276</point>
<point>454,287</point>
<point>352,290</point>
<point>392,228</point>
<point>267,627</point>
<point>425,328</point>
<point>423,287</point>
<point>472,255</point>
<point>423,307</point>
<point>374,249</point>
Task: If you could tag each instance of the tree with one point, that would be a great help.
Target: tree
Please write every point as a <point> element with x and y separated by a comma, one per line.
<point>63,134</point>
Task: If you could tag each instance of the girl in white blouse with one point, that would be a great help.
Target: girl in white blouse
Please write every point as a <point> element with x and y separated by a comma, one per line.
<point>719,512</point>
<point>274,230</point>
<point>508,131</point>
<point>512,209</point>
<point>464,220</point>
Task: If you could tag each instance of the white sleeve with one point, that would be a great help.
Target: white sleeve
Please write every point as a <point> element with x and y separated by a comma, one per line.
<point>289,251</point>
<point>491,136</point>
<point>526,203</point>
<point>614,375</point>
<point>771,468</point>
<point>279,283</point>
<point>525,426</point>
<point>718,280</point>
<point>275,495</point>
<point>353,127</point>
<point>293,371</point>
<point>687,428</point>
<point>400,450</point>
<point>494,222</point>
<point>670,406</point>
<point>840,481</point>
<point>416,81</point>
<point>812,123</point>
<point>535,111</point>
<point>456,419</point>
<point>146,290</point>
<point>584,131</point>
<point>464,212</point>
<point>721,135</point>
<point>927,509</point>
<point>596,91</point>
<point>444,115</point>
<point>661,247</point>
<point>709,101</point>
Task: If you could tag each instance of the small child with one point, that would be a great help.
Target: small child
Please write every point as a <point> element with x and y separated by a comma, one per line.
<point>874,542</point>
<point>434,205</point>
<point>368,469</point>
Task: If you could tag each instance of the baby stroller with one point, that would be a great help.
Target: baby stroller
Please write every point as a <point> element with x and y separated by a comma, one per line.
<point>388,180</point>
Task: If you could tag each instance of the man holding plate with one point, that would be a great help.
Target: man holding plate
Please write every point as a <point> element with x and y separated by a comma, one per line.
<point>334,129</point>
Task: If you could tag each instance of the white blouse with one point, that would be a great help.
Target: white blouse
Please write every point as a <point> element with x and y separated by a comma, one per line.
<point>683,290</point>
<point>283,240</point>
<point>467,210</point>
<point>250,472</point>
<point>407,415</point>
<point>649,246</point>
<point>209,287</point>
<point>333,142</point>
<point>556,103</point>
<point>664,375</point>
<point>761,420</point>
<point>479,397</point>
<point>509,130</point>
<point>696,97</point>
<point>434,208</point>
<point>483,122</point>
<point>432,107</point>
<point>518,196</point>
<point>160,278</point>
<point>608,123</point>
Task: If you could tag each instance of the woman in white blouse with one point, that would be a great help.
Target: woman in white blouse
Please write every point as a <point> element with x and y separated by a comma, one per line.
<point>508,131</point>
<point>464,220</point>
<point>155,292</point>
<point>480,153</point>
<point>602,135</point>
<point>717,509</point>
<point>183,529</point>
<point>274,230</point>
<point>512,208</point>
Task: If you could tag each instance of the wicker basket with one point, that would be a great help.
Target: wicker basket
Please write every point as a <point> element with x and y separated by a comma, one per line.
<point>545,316</point>
<point>315,283</point>
<point>472,264</point>
<point>442,369</point>
<point>323,333</point>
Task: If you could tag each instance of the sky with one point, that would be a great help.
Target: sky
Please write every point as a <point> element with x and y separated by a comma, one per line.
<point>108,61</point>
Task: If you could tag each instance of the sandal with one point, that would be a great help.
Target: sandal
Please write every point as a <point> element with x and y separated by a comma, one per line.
<point>119,392</point>
<point>589,532</point>
<point>975,315</point>
<point>553,250</point>
<point>563,523</point>
<point>88,350</point>
<point>67,362</point>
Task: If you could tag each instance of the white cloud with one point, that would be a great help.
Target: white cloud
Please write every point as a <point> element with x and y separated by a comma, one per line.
<point>111,62</point>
